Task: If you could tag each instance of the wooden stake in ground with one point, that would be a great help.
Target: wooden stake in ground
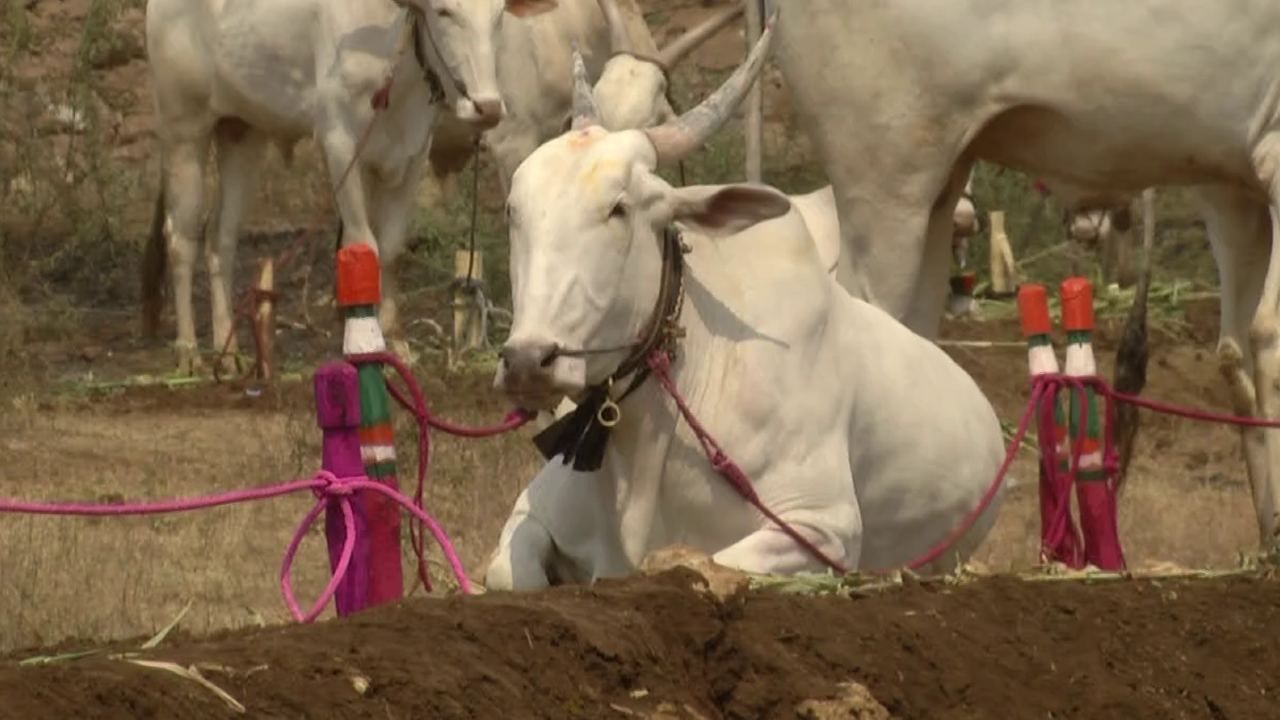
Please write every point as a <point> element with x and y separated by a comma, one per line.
<point>468,321</point>
<point>359,292</point>
<point>1003,270</point>
<point>1033,313</point>
<point>754,123</point>
<point>337,395</point>
<point>264,320</point>
<point>1095,487</point>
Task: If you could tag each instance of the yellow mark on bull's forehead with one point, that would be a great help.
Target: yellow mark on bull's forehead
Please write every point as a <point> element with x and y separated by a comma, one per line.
<point>591,177</point>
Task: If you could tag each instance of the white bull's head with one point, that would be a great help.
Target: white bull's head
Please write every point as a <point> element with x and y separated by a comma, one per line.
<point>586,213</point>
<point>1087,226</point>
<point>631,91</point>
<point>964,221</point>
<point>458,38</point>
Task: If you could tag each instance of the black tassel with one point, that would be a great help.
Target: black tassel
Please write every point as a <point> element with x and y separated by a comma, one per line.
<point>578,437</point>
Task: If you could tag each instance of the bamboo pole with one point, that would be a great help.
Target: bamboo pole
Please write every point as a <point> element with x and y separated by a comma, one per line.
<point>754,124</point>
<point>1003,268</point>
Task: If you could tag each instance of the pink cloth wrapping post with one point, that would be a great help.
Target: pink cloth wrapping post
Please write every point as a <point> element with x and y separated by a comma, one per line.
<point>337,396</point>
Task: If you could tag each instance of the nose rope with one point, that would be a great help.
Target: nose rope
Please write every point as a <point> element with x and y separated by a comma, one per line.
<point>432,75</point>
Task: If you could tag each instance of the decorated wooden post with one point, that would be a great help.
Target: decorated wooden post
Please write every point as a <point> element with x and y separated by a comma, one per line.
<point>264,321</point>
<point>468,325</point>
<point>1033,310</point>
<point>1000,255</point>
<point>337,394</point>
<point>359,292</point>
<point>1095,491</point>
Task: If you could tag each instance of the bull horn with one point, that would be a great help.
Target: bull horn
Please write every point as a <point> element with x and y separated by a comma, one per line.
<point>585,113</point>
<point>677,139</point>
<point>678,49</point>
<point>619,41</point>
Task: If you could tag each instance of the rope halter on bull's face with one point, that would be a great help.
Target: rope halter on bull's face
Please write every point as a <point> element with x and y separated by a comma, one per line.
<point>581,436</point>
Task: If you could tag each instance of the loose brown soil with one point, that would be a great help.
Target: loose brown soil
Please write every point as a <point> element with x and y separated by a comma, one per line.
<point>655,647</point>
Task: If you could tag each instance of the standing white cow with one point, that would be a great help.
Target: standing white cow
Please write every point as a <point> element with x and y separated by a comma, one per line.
<point>534,73</point>
<point>899,111</point>
<point>864,437</point>
<point>245,74</point>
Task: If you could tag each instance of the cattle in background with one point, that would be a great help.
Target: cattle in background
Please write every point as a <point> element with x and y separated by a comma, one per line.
<point>900,111</point>
<point>241,76</point>
<point>534,74</point>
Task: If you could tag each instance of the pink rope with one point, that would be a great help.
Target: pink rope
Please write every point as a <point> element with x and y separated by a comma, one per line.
<point>327,488</point>
<point>416,404</point>
<point>1044,386</point>
<point>330,488</point>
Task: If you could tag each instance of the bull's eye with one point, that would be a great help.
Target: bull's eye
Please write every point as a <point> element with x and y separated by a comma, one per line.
<point>618,211</point>
<point>444,13</point>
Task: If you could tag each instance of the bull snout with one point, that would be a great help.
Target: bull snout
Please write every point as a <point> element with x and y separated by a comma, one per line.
<point>485,112</point>
<point>1084,232</point>
<point>535,375</point>
<point>527,358</point>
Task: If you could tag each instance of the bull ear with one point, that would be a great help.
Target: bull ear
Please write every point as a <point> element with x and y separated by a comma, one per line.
<point>720,210</point>
<point>529,8</point>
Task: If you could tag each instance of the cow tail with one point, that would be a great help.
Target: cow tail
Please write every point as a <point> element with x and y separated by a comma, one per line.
<point>1131,353</point>
<point>155,260</point>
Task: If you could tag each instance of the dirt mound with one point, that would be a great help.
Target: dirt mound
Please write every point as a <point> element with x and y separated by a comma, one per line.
<point>658,646</point>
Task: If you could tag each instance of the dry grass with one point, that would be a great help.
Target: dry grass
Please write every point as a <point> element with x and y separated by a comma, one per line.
<point>119,577</point>
<point>111,578</point>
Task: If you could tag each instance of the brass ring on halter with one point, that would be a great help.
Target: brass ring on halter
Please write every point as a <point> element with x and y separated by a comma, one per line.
<point>609,413</point>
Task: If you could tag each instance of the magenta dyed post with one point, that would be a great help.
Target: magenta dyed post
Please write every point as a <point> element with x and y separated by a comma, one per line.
<point>337,393</point>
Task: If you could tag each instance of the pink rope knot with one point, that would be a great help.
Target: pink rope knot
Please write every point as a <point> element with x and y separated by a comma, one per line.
<point>659,361</point>
<point>330,485</point>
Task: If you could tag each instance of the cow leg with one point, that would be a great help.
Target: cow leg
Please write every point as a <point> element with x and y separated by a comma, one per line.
<point>522,559</point>
<point>185,157</point>
<point>339,148</point>
<point>239,156</point>
<point>940,242</point>
<point>563,528</point>
<point>896,241</point>
<point>770,551</point>
<point>1240,236</point>
<point>1118,247</point>
<point>392,209</point>
<point>1265,337</point>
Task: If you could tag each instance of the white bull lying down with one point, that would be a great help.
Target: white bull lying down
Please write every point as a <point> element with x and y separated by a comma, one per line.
<point>866,438</point>
<point>241,76</point>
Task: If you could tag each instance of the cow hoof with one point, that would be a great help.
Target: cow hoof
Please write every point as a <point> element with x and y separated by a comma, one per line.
<point>720,581</point>
<point>231,364</point>
<point>187,360</point>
